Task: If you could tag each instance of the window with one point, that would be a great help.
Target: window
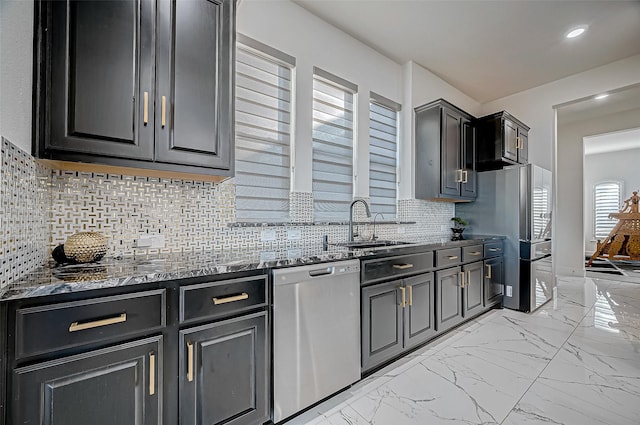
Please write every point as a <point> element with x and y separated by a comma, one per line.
<point>607,199</point>
<point>383,153</point>
<point>333,130</point>
<point>263,132</point>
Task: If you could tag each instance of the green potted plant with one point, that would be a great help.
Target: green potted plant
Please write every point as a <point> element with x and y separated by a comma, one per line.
<point>459,225</point>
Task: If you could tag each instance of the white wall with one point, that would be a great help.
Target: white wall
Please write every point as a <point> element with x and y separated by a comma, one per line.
<point>619,166</point>
<point>16,69</point>
<point>534,107</point>
<point>569,225</point>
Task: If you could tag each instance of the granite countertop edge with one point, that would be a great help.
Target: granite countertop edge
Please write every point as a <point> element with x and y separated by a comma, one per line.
<point>52,279</point>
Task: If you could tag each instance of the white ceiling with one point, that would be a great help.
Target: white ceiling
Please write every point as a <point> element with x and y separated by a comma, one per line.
<point>490,49</point>
<point>612,142</point>
<point>621,100</point>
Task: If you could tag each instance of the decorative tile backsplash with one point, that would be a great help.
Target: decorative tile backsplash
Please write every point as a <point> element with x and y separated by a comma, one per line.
<point>41,207</point>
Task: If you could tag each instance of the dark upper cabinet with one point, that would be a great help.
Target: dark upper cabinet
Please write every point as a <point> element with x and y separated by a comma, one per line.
<point>225,372</point>
<point>445,153</point>
<point>502,140</point>
<point>136,83</point>
<point>116,385</point>
<point>195,78</point>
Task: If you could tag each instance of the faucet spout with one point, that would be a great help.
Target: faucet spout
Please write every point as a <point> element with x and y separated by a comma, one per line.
<point>367,210</point>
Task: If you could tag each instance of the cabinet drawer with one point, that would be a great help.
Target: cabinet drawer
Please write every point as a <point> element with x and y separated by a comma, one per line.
<point>471,253</point>
<point>402,265</point>
<point>214,299</point>
<point>448,257</point>
<point>493,249</point>
<point>57,326</point>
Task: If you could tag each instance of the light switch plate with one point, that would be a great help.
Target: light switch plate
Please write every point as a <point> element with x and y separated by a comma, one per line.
<point>150,241</point>
<point>294,234</point>
<point>402,230</point>
<point>267,256</point>
<point>268,235</point>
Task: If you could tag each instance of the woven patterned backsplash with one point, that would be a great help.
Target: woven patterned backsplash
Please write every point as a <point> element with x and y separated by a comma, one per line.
<point>42,207</point>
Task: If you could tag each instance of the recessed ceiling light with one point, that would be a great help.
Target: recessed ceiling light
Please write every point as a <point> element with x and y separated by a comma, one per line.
<point>576,32</point>
<point>601,96</point>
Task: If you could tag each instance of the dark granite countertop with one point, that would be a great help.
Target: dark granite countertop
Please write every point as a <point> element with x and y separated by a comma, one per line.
<point>54,279</point>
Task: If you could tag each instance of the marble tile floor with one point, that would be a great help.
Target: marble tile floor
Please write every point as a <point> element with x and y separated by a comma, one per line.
<point>576,361</point>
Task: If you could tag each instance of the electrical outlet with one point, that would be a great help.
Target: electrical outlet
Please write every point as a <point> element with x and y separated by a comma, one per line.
<point>294,253</point>
<point>443,227</point>
<point>294,234</point>
<point>267,256</point>
<point>509,291</point>
<point>150,241</point>
<point>402,230</point>
<point>268,235</point>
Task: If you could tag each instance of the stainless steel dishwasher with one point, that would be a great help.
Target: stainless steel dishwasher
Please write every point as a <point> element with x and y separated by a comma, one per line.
<point>316,333</point>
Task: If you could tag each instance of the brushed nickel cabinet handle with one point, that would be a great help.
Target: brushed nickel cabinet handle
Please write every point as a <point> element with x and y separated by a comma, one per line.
<point>488,276</point>
<point>152,373</point>
<point>231,299</point>
<point>164,111</point>
<point>495,249</point>
<point>475,253</point>
<point>403,292</point>
<point>469,278</point>
<point>461,276</point>
<point>410,295</point>
<point>145,112</point>
<point>458,179</point>
<point>77,326</point>
<point>465,177</point>
<point>190,361</point>
<point>402,266</point>
<point>453,257</point>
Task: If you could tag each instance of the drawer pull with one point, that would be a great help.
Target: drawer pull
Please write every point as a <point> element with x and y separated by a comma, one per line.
<point>495,249</point>
<point>190,361</point>
<point>75,326</point>
<point>230,299</point>
<point>410,295</point>
<point>475,253</point>
<point>402,266</point>
<point>403,293</point>
<point>152,373</point>
<point>488,276</point>
<point>453,257</point>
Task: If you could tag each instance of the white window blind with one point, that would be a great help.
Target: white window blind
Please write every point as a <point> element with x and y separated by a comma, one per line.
<point>383,152</point>
<point>332,171</point>
<point>263,136</point>
<point>607,199</point>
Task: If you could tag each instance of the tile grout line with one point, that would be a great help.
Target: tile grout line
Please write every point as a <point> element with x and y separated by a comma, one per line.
<point>549,362</point>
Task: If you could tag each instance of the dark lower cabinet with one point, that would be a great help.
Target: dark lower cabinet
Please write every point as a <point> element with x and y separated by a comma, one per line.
<point>396,316</point>
<point>449,309</point>
<point>473,288</point>
<point>224,372</point>
<point>419,323</point>
<point>117,385</point>
<point>493,281</point>
<point>382,317</point>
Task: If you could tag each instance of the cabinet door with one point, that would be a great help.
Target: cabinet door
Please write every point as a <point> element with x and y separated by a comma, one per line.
<point>101,70</point>
<point>448,298</point>
<point>224,375</point>
<point>450,172</point>
<point>117,385</point>
<point>194,112</point>
<point>473,288</point>
<point>510,140</point>
<point>493,281</point>
<point>468,188</point>
<point>419,317</point>
<point>523,151</point>
<point>382,313</point>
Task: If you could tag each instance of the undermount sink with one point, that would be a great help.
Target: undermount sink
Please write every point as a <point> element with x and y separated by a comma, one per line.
<point>369,244</point>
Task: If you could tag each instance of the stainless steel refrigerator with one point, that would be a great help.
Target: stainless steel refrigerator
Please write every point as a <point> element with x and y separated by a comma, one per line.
<point>516,202</point>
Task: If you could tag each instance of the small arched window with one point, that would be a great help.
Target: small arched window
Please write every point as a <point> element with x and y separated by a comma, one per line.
<point>607,197</point>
